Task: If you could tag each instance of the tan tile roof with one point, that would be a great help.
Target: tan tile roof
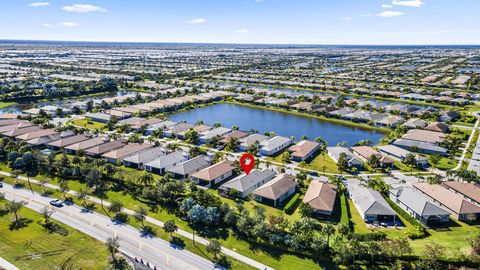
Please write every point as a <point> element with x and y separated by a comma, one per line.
<point>36,134</point>
<point>303,148</point>
<point>68,140</point>
<point>127,150</point>
<point>470,190</point>
<point>449,199</point>
<point>20,131</point>
<point>104,147</point>
<point>425,136</point>
<point>214,171</point>
<point>320,195</point>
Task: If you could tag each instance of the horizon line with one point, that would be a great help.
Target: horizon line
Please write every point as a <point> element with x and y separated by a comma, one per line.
<point>230,43</point>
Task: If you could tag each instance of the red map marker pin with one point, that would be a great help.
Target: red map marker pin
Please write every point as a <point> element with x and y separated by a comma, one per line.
<point>247,161</point>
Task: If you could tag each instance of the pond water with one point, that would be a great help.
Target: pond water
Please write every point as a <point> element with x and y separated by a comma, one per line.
<point>283,124</point>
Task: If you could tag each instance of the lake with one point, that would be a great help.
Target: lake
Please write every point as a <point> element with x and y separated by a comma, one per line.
<point>283,124</point>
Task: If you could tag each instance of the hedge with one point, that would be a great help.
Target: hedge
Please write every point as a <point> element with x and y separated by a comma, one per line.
<point>344,218</point>
<point>292,204</point>
<point>420,231</point>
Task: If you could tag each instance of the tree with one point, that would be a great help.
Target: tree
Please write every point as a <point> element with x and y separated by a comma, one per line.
<point>328,230</point>
<point>434,160</point>
<point>432,253</point>
<point>140,215</point>
<point>434,179</point>
<point>306,210</point>
<point>64,188</point>
<point>146,179</point>
<point>373,161</point>
<point>475,244</point>
<point>410,160</point>
<point>82,195</point>
<point>343,229</point>
<point>115,208</point>
<point>47,213</point>
<point>13,207</point>
<point>286,157</point>
<point>113,244</point>
<point>43,183</point>
<point>342,162</point>
<point>214,248</point>
<point>170,227</point>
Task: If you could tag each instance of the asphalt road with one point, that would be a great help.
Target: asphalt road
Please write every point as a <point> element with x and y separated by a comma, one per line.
<point>153,250</point>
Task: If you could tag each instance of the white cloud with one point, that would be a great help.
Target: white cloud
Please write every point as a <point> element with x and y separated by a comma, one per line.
<point>408,3</point>
<point>197,21</point>
<point>346,19</point>
<point>68,24</point>
<point>83,8</point>
<point>388,14</point>
<point>47,25</point>
<point>39,4</point>
<point>386,6</point>
<point>242,31</point>
<point>365,15</point>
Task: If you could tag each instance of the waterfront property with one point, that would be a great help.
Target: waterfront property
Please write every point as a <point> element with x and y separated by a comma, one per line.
<point>284,124</point>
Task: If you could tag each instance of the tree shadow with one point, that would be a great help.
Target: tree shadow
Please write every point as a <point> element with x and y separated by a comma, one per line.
<point>177,243</point>
<point>19,224</point>
<point>148,232</point>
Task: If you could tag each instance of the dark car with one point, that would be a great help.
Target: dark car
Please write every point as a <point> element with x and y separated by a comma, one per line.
<point>313,173</point>
<point>1,184</point>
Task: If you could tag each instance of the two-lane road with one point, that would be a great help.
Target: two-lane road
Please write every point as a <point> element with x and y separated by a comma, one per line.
<point>154,250</point>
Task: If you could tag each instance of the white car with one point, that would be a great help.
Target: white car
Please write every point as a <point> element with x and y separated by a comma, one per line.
<point>56,203</point>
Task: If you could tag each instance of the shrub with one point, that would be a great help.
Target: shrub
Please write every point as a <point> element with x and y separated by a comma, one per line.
<point>420,231</point>
<point>344,219</point>
<point>292,204</point>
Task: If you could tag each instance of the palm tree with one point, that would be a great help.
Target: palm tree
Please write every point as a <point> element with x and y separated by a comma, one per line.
<point>170,227</point>
<point>141,214</point>
<point>214,248</point>
<point>82,195</point>
<point>328,230</point>
<point>14,207</point>
<point>112,246</point>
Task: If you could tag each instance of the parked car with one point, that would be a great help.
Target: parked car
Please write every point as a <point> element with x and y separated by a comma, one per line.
<point>56,203</point>
<point>1,184</point>
<point>313,173</point>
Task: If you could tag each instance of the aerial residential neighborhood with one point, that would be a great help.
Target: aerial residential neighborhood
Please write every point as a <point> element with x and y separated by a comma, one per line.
<point>252,134</point>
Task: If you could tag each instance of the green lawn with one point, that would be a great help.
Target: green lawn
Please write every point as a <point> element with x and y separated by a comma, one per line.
<point>75,250</point>
<point>446,164</point>
<point>88,124</point>
<point>323,163</point>
<point>6,104</point>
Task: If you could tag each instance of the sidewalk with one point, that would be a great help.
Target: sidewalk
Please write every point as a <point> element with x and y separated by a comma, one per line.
<point>6,265</point>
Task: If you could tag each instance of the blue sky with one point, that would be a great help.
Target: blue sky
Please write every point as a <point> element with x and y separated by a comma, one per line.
<point>245,21</point>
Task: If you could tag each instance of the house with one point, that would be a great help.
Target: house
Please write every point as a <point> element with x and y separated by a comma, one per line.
<point>274,192</point>
<point>437,127</point>
<point>42,139</point>
<point>100,149</point>
<point>161,164</point>
<point>421,147</point>
<point>425,136</point>
<point>214,174</point>
<point>20,125</point>
<point>418,206</point>
<point>245,143</point>
<point>118,154</point>
<point>304,150</point>
<point>146,123</point>
<point>321,197</point>
<point>197,128</point>
<point>454,203</point>
<point>9,122</point>
<point>371,205</point>
<point>82,145</point>
<point>185,169</point>
<point>236,134</point>
<point>98,117</point>
<point>335,152</point>
<point>175,129</point>
<point>390,121</point>
<point>63,142</point>
<point>366,152</point>
<point>415,123</point>
<point>448,116</point>
<point>9,116</point>
<point>20,131</point>
<point>206,136</point>
<point>37,134</point>
<point>400,154</point>
<point>165,125</point>
<point>138,160</point>
<point>244,184</point>
<point>274,145</point>
<point>469,191</point>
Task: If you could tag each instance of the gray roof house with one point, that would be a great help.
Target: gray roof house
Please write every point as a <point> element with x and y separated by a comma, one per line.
<point>274,145</point>
<point>250,140</point>
<point>421,147</point>
<point>419,206</point>
<point>174,130</point>
<point>161,164</point>
<point>370,204</point>
<point>163,125</point>
<point>400,154</point>
<point>137,161</point>
<point>335,151</point>
<point>246,184</point>
<point>276,191</point>
<point>185,169</point>
<point>206,136</point>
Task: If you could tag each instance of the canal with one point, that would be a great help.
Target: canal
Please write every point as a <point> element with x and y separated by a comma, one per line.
<point>283,124</point>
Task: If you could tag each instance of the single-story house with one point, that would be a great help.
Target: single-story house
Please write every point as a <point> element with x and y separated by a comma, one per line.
<point>437,127</point>
<point>321,197</point>
<point>469,191</point>
<point>161,164</point>
<point>421,147</point>
<point>252,139</point>
<point>197,128</point>
<point>274,192</point>
<point>335,151</point>
<point>175,129</point>
<point>370,204</point>
<point>274,145</point>
<point>20,131</point>
<point>63,142</point>
<point>415,123</point>
<point>185,169</point>
<point>98,117</point>
<point>236,134</point>
<point>118,154</point>
<point>304,150</point>
<point>424,136</point>
<point>454,203</point>
<point>246,184</point>
<point>365,152</point>
<point>100,149</point>
<point>37,134</point>
<point>400,154</point>
<point>165,125</point>
<point>139,159</point>
<point>82,145</point>
<point>214,174</point>
<point>206,136</point>
<point>419,206</point>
